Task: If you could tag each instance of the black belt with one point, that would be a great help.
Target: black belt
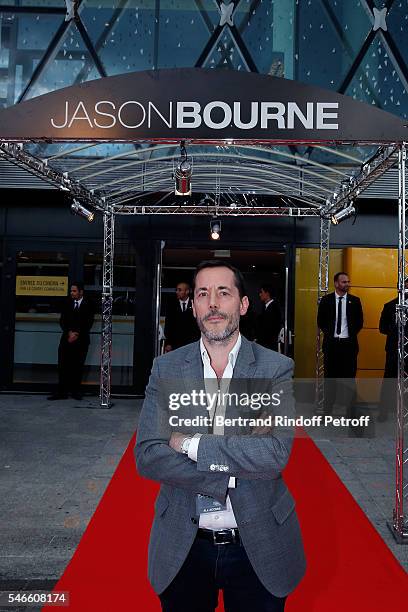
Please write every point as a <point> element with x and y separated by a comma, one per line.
<point>223,536</point>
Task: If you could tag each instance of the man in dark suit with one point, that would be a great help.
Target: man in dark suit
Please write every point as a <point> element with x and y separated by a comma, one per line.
<point>180,327</point>
<point>224,518</point>
<point>340,318</point>
<point>388,326</point>
<point>76,320</point>
<point>269,322</point>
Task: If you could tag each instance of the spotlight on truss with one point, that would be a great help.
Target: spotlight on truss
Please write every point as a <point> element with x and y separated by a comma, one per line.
<point>215,229</point>
<point>80,210</point>
<point>343,214</point>
<point>182,174</point>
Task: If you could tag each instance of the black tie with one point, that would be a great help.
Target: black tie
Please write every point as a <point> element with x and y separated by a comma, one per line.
<point>184,307</point>
<point>338,326</point>
<point>76,305</point>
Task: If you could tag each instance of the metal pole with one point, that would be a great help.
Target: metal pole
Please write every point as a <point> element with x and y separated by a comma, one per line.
<point>323,287</point>
<point>286,326</point>
<point>400,520</point>
<point>107,300</point>
<point>157,345</point>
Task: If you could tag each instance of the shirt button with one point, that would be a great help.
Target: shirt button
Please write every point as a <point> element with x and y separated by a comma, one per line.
<point>216,517</point>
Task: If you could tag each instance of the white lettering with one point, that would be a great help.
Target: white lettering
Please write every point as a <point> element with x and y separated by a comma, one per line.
<point>136,125</point>
<point>293,110</point>
<point>152,107</point>
<point>253,120</point>
<point>188,118</point>
<point>321,115</point>
<point>76,117</point>
<point>216,115</point>
<point>66,118</point>
<point>207,115</point>
<point>266,114</point>
<point>98,112</point>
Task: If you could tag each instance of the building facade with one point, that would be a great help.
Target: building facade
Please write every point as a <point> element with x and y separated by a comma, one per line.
<point>358,48</point>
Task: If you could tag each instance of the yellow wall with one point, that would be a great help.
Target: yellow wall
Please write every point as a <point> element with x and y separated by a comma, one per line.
<point>306,281</point>
<point>373,275</point>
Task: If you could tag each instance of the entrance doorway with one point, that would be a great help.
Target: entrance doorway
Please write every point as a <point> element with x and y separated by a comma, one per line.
<point>257,267</point>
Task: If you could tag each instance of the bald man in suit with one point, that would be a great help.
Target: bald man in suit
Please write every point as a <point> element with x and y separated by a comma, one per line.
<point>340,318</point>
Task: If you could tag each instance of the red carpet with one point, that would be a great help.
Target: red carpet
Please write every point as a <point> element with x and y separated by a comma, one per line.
<point>349,567</point>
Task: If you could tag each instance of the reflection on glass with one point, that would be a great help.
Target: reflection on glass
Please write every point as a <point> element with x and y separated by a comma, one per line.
<point>41,288</point>
<point>124,274</point>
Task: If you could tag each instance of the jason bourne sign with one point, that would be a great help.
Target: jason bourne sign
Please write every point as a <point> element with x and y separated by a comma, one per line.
<point>215,115</point>
<point>198,105</point>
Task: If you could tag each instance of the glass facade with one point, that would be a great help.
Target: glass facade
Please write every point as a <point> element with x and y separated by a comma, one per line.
<point>353,46</point>
<point>41,288</point>
<point>123,315</point>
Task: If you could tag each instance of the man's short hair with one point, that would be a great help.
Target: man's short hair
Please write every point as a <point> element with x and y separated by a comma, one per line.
<point>218,263</point>
<point>336,276</point>
<point>268,288</point>
<point>78,285</point>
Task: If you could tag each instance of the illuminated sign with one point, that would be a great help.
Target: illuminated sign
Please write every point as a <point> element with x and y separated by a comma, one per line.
<point>42,285</point>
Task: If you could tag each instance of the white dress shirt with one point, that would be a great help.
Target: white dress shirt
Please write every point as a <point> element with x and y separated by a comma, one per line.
<point>223,519</point>
<point>344,327</point>
<point>77,303</point>
<point>183,308</point>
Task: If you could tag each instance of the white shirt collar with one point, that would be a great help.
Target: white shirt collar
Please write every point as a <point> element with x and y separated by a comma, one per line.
<point>339,296</point>
<point>79,301</point>
<point>267,303</point>
<point>232,356</point>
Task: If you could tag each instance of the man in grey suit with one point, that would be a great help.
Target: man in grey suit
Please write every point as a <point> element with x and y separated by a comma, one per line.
<point>224,518</point>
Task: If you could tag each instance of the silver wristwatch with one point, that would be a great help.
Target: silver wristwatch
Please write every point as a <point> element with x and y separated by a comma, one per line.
<point>185,445</point>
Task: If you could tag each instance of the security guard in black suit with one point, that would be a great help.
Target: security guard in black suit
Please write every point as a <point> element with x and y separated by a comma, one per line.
<point>269,322</point>
<point>340,318</point>
<point>180,327</point>
<point>388,326</point>
<point>76,320</point>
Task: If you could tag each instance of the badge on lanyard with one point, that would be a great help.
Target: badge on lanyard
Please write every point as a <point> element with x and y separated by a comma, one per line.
<point>206,504</point>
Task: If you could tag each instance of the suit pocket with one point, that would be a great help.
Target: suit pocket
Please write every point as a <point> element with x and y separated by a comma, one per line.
<point>283,507</point>
<point>161,505</point>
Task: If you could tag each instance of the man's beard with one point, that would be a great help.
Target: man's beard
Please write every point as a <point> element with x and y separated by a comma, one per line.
<point>219,335</point>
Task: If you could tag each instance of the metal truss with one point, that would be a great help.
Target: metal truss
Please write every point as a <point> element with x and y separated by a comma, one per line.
<point>351,188</point>
<point>107,302</point>
<point>227,211</point>
<point>400,519</point>
<point>324,255</point>
<point>15,153</point>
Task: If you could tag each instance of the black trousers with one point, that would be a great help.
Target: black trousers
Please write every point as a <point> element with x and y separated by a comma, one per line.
<point>210,567</point>
<point>71,360</point>
<point>340,368</point>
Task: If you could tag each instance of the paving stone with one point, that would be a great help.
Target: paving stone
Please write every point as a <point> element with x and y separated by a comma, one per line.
<point>373,465</point>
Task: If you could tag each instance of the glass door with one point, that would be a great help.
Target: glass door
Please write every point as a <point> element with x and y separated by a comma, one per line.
<point>123,315</point>
<point>41,286</point>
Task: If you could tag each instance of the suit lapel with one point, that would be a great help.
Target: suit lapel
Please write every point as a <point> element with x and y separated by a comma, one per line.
<point>193,379</point>
<point>333,305</point>
<point>241,384</point>
<point>246,363</point>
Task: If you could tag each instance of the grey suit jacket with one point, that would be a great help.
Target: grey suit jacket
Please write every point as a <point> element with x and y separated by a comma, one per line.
<point>263,506</point>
